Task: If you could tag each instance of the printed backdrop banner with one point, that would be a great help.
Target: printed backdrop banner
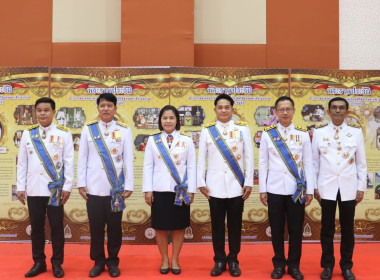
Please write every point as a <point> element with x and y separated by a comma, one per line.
<point>311,91</point>
<point>19,89</point>
<point>142,92</point>
<point>192,92</point>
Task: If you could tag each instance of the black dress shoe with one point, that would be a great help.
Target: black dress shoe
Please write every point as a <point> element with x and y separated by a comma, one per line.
<point>234,269</point>
<point>96,270</point>
<point>348,275</point>
<point>219,267</point>
<point>114,271</point>
<point>295,273</point>
<point>176,271</point>
<point>164,270</point>
<point>36,269</point>
<point>58,271</point>
<point>326,273</point>
<point>277,273</point>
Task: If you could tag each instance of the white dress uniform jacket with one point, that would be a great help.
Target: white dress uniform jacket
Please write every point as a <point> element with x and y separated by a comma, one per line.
<point>31,174</point>
<point>91,173</point>
<point>339,164</point>
<point>219,179</point>
<point>274,176</point>
<point>157,176</point>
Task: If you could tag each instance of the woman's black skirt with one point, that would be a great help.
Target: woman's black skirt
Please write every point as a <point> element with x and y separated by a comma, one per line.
<point>166,215</point>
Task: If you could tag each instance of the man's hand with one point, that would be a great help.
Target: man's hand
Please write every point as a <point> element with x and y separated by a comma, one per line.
<point>246,192</point>
<point>21,197</point>
<point>65,196</point>
<point>191,196</point>
<point>309,198</point>
<point>359,197</point>
<point>83,192</point>
<point>149,198</point>
<point>317,196</point>
<point>205,192</point>
<point>127,194</point>
<point>264,198</point>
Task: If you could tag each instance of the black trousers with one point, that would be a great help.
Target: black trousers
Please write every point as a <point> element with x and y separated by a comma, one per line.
<point>281,208</point>
<point>346,219</point>
<point>99,215</point>
<point>37,213</point>
<point>219,207</point>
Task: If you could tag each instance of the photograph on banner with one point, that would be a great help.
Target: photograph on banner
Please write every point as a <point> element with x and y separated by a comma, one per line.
<point>311,91</point>
<point>254,91</point>
<point>140,92</point>
<point>19,89</point>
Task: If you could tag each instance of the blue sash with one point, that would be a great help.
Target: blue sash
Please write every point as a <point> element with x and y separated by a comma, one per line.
<point>287,157</point>
<point>181,187</point>
<point>227,154</point>
<point>57,183</point>
<point>117,183</point>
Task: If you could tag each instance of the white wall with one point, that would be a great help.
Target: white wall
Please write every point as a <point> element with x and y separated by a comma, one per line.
<point>86,20</point>
<point>230,21</point>
<point>359,34</point>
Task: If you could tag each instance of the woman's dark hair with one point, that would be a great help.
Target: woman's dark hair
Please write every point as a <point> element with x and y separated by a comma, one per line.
<point>176,113</point>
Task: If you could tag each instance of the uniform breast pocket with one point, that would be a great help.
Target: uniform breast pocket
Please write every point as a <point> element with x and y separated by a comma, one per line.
<point>350,147</point>
<point>322,148</point>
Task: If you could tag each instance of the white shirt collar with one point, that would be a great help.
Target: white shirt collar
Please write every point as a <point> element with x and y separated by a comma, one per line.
<point>340,127</point>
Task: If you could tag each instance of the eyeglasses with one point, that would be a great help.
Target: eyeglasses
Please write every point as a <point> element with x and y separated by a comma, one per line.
<point>286,110</point>
<point>335,108</point>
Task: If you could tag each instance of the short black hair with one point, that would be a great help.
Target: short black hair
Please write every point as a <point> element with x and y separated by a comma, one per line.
<point>176,113</point>
<point>283,98</point>
<point>224,96</point>
<point>107,96</point>
<point>45,100</point>
<point>339,99</point>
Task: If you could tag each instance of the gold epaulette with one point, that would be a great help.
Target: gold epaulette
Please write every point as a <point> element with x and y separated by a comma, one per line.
<point>300,128</point>
<point>92,122</point>
<point>241,123</point>
<point>321,125</point>
<point>155,133</point>
<point>32,126</point>
<point>270,127</point>
<point>186,134</point>
<point>122,124</point>
<point>209,124</point>
<point>354,125</point>
<point>64,128</point>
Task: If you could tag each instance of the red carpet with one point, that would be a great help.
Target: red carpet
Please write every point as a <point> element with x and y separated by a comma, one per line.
<point>143,261</point>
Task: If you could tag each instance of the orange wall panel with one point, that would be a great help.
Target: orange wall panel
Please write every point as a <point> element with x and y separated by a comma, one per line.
<point>303,34</point>
<point>26,33</point>
<point>85,54</point>
<point>157,33</point>
<point>229,55</point>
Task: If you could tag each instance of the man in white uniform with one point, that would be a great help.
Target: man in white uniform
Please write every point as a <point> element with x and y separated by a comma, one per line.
<point>225,145</point>
<point>105,179</point>
<point>341,171</point>
<point>45,173</point>
<point>286,185</point>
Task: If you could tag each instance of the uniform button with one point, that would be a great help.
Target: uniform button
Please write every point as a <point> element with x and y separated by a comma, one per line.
<point>338,174</point>
<point>225,161</point>
<point>285,172</point>
<point>41,173</point>
<point>42,163</point>
<point>225,171</point>
<point>338,163</point>
<point>168,170</point>
<point>338,153</point>
<point>103,168</point>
